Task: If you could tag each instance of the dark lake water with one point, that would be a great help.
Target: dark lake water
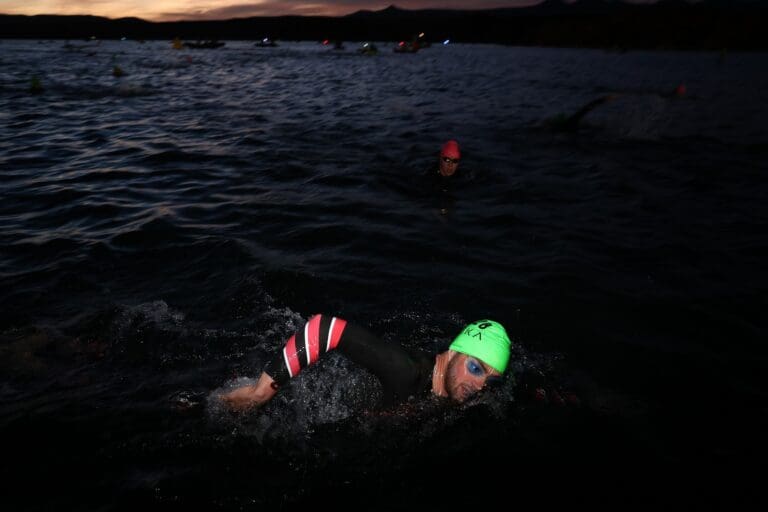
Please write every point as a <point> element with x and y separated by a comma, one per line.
<point>163,232</point>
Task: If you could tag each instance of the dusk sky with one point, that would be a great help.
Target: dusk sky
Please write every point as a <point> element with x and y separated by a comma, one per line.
<point>163,10</point>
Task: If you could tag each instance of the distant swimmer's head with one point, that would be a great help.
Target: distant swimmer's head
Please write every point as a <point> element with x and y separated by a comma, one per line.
<point>486,340</point>
<point>451,149</point>
<point>449,157</point>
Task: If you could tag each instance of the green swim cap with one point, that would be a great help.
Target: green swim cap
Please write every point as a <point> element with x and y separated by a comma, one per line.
<point>486,340</point>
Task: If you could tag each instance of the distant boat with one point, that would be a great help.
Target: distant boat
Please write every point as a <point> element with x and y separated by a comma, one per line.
<point>403,47</point>
<point>368,49</point>
<point>204,44</point>
<point>266,43</point>
<point>421,42</point>
<point>412,46</point>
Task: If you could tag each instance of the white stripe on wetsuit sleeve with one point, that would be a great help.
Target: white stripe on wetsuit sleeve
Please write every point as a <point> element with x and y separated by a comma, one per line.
<point>285,360</point>
<point>330,333</point>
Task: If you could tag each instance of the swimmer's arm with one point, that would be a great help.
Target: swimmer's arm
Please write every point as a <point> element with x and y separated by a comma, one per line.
<point>320,334</point>
<point>249,397</point>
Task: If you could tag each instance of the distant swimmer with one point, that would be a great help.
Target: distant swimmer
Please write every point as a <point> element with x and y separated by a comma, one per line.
<point>571,123</point>
<point>475,360</point>
<point>35,85</point>
<point>449,159</point>
<point>678,92</point>
<point>441,180</point>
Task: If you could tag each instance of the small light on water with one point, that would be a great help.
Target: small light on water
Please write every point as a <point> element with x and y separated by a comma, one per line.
<point>446,41</point>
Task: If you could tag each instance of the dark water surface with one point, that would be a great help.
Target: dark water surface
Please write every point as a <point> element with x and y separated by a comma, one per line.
<point>163,232</point>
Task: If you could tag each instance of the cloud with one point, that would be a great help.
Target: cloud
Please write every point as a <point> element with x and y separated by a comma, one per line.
<point>267,8</point>
<point>109,8</point>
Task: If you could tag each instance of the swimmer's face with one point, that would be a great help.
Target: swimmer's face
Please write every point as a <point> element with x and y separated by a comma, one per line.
<point>448,165</point>
<point>466,376</point>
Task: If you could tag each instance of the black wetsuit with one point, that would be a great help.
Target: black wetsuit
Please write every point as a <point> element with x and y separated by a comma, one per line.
<point>402,373</point>
<point>442,189</point>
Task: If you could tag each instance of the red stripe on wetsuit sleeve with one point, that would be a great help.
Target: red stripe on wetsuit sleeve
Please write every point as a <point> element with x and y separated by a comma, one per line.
<point>335,332</point>
<point>312,337</point>
<point>291,357</point>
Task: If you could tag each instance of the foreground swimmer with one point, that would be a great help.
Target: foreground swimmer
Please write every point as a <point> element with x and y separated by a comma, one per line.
<point>476,358</point>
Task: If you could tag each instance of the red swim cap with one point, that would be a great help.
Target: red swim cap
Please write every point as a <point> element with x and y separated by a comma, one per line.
<point>451,149</point>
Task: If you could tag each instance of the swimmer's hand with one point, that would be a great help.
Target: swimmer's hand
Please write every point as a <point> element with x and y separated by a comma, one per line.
<point>242,399</point>
<point>246,398</point>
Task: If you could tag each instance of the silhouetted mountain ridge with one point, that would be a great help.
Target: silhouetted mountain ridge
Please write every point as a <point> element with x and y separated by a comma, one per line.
<point>555,7</point>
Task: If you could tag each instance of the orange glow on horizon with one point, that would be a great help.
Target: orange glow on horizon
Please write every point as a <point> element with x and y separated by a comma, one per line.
<point>168,10</point>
